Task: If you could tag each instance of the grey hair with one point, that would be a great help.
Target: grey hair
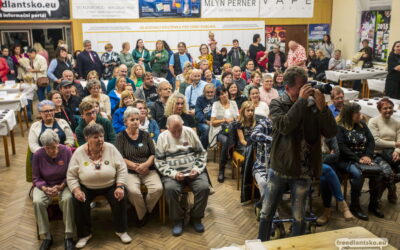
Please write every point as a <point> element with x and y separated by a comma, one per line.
<point>174,118</point>
<point>49,137</point>
<point>93,82</point>
<point>85,42</point>
<point>292,73</point>
<point>163,83</point>
<point>44,103</point>
<point>93,129</point>
<point>129,112</point>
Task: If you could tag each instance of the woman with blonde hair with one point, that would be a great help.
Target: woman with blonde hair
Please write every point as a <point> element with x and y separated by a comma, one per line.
<point>320,65</point>
<point>115,95</point>
<point>181,77</point>
<point>127,100</point>
<point>176,105</point>
<point>41,51</point>
<point>126,57</point>
<point>245,125</point>
<point>110,60</point>
<point>159,60</point>
<point>137,74</point>
<point>185,83</point>
<point>227,67</point>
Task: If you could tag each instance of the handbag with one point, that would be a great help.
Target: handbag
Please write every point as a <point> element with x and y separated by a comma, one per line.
<point>369,170</point>
<point>387,155</point>
<point>42,82</point>
<point>357,57</point>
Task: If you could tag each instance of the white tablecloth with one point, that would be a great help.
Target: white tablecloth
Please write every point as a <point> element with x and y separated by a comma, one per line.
<point>349,94</point>
<point>371,109</point>
<point>13,101</point>
<point>347,75</point>
<point>10,88</point>
<point>7,122</point>
<point>377,84</point>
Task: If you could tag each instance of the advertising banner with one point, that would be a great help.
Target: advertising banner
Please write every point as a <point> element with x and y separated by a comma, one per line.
<point>34,9</point>
<point>315,34</point>
<point>367,29</point>
<point>286,8</point>
<point>105,9</point>
<point>275,35</point>
<point>382,28</point>
<point>169,8</point>
<point>229,8</point>
<point>192,33</point>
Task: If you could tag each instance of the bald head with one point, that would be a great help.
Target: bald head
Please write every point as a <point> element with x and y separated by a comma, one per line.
<point>174,125</point>
<point>292,45</point>
<point>195,76</point>
<point>123,70</point>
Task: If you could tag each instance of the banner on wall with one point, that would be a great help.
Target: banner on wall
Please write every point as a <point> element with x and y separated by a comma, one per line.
<point>382,28</point>
<point>315,33</point>
<point>169,8</point>
<point>367,29</point>
<point>275,35</point>
<point>104,9</point>
<point>286,8</point>
<point>230,8</point>
<point>34,9</point>
<point>193,33</point>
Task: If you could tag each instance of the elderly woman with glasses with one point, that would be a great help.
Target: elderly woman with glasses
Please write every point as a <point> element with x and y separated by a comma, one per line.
<point>97,168</point>
<point>137,148</point>
<point>94,88</point>
<point>49,169</point>
<point>267,92</point>
<point>46,109</point>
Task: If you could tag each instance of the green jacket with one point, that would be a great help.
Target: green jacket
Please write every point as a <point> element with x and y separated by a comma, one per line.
<point>288,120</point>
<point>127,59</point>
<point>157,64</point>
<point>146,56</point>
<point>109,134</point>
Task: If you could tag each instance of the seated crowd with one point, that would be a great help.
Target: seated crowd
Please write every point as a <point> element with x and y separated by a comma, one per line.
<point>141,128</point>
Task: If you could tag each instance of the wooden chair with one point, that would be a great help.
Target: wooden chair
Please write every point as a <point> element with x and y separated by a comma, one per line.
<point>237,161</point>
<point>186,189</point>
<point>217,150</point>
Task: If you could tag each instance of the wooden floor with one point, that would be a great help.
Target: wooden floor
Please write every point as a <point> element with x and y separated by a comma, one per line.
<point>227,221</point>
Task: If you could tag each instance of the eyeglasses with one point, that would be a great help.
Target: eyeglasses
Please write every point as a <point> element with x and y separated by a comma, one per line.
<point>47,111</point>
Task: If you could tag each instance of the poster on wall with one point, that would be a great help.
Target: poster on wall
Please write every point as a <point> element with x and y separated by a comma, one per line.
<point>230,8</point>
<point>316,33</point>
<point>104,9</point>
<point>367,29</point>
<point>34,9</point>
<point>193,33</point>
<point>382,28</point>
<point>275,35</point>
<point>286,8</point>
<point>169,8</point>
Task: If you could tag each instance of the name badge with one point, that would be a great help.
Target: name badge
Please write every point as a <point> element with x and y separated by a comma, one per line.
<point>140,144</point>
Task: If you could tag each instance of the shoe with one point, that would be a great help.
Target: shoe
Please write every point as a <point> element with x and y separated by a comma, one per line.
<point>357,212</point>
<point>221,177</point>
<point>83,241</point>
<point>348,216</point>
<point>46,244</point>
<point>197,225</point>
<point>125,238</point>
<point>376,211</point>
<point>392,196</point>
<point>324,218</point>
<point>177,229</point>
<point>212,191</point>
<point>69,244</point>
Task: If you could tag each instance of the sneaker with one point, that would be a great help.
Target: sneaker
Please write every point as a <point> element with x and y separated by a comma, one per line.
<point>177,229</point>
<point>83,241</point>
<point>197,225</point>
<point>125,238</point>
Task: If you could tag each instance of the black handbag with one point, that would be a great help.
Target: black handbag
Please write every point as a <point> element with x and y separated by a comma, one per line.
<point>369,170</point>
<point>387,155</point>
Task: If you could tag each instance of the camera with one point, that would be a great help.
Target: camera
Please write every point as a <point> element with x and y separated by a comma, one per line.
<point>324,88</point>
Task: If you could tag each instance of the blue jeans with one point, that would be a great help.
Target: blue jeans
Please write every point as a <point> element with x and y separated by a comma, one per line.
<point>330,185</point>
<point>276,186</point>
<point>41,92</point>
<point>29,110</point>
<point>204,129</point>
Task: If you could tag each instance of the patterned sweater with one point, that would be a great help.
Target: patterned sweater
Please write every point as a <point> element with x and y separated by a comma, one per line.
<point>180,155</point>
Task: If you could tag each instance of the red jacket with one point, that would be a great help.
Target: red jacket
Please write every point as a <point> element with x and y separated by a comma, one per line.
<point>264,62</point>
<point>4,69</point>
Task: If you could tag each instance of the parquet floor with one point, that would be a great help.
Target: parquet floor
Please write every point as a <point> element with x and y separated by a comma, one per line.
<point>227,221</point>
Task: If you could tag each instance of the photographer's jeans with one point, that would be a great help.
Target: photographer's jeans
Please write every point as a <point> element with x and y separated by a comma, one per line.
<point>204,129</point>
<point>276,187</point>
<point>41,92</point>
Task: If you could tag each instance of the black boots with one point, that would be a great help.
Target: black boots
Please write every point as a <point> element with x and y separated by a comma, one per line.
<point>392,195</point>
<point>263,230</point>
<point>357,212</point>
<point>374,208</point>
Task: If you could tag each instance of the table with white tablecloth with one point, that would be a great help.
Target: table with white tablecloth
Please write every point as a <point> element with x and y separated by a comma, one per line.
<point>377,84</point>
<point>7,124</point>
<point>369,107</point>
<point>10,88</point>
<point>16,102</point>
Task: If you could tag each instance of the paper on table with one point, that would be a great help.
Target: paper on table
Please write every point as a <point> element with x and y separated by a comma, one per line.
<point>10,83</point>
<point>3,94</point>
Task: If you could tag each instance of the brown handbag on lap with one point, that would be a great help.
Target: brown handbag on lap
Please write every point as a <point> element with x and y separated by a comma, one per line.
<point>42,82</point>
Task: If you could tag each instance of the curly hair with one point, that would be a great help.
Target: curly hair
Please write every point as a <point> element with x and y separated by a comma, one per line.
<point>133,75</point>
<point>170,106</point>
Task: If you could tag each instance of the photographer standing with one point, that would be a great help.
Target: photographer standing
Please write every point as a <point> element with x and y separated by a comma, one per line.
<point>296,148</point>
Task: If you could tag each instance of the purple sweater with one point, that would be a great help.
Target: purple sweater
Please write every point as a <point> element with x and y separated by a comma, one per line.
<point>47,171</point>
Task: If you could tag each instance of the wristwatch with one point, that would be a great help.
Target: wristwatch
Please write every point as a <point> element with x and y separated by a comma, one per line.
<point>121,187</point>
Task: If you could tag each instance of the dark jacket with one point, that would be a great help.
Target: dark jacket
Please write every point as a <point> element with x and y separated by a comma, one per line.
<point>393,77</point>
<point>157,111</point>
<point>288,120</point>
<point>331,159</point>
<point>84,64</point>
<point>367,61</point>
<point>320,65</point>
<point>73,104</point>
<point>109,134</point>
<point>271,60</point>
<point>203,109</point>
<point>242,57</point>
